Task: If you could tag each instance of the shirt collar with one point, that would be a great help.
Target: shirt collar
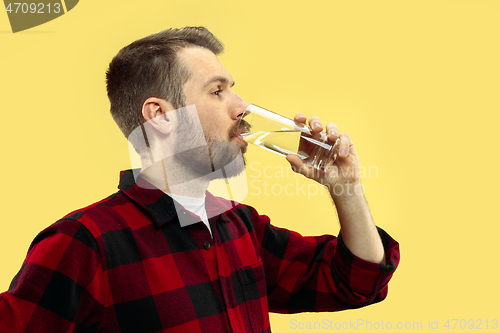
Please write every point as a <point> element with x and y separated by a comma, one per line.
<point>161,206</point>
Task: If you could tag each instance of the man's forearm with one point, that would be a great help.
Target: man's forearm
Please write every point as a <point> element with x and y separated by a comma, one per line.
<point>359,232</point>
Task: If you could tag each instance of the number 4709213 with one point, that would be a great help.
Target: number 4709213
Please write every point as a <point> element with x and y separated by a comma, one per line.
<point>33,8</point>
<point>471,324</point>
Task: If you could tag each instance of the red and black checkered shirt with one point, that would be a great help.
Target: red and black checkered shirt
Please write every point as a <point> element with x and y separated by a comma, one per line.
<point>124,264</point>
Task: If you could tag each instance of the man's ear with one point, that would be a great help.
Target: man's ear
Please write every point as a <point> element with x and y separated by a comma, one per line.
<point>156,112</point>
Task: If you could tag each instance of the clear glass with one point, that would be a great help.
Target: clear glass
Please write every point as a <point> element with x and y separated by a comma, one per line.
<point>284,136</point>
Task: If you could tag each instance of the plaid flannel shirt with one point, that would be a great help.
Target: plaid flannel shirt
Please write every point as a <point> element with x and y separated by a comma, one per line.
<point>124,264</point>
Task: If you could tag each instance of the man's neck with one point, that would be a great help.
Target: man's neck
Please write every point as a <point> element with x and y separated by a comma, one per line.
<point>175,179</point>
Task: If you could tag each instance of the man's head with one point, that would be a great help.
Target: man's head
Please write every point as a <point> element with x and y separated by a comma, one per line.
<point>165,71</point>
<point>150,67</point>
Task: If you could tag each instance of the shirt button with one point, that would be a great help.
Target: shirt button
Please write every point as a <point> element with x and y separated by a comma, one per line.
<point>206,245</point>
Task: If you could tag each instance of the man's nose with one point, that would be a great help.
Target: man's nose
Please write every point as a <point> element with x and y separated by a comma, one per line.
<point>239,107</point>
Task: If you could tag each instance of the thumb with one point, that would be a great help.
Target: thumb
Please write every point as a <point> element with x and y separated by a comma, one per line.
<point>295,162</point>
<point>298,166</point>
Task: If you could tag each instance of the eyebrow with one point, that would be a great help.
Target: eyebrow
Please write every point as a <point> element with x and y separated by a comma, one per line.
<point>221,79</point>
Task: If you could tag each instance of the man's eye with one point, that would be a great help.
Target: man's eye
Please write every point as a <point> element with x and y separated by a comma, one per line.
<point>217,92</point>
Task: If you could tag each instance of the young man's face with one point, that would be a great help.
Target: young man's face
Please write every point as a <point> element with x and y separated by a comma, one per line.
<point>218,108</point>
<point>209,88</point>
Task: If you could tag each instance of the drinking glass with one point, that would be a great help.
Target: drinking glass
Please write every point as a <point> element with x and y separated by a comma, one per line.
<point>281,135</point>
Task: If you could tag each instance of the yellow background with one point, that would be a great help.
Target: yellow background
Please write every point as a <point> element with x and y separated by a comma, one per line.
<point>415,83</point>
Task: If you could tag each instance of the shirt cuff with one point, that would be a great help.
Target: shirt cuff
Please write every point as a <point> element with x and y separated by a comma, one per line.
<point>364,277</point>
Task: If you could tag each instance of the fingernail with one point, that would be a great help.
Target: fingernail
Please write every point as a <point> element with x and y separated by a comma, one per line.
<point>342,152</point>
<point>333,133</point>
<point>317,125</point>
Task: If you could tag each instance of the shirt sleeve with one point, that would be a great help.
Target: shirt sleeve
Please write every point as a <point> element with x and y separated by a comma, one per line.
<point>320,273</point>
<point>59,287</point>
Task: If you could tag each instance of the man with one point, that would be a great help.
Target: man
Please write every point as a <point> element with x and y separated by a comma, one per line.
<point>164,255</point>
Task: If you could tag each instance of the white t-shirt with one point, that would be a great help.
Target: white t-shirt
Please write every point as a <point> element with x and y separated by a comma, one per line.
<point>195,206</point>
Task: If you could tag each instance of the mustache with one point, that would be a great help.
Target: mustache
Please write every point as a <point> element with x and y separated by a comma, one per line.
<point>241,124</point>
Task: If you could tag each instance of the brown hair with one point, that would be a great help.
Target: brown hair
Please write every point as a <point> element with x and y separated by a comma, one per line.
<point>149,67</point>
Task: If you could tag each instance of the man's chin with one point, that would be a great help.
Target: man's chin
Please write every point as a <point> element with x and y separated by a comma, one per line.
<point>229,156</point>
<point>230,170</point>
<point>219,160</point>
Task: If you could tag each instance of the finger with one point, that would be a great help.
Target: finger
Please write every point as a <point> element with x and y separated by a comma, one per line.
<point>315,124</point>
<point>300,118</point>
<point>295,162</point>
<point>345,142</point>
<point>332,131</point>
<point>300,167</point>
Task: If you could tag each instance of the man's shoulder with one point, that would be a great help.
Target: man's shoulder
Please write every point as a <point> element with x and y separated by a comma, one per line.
<point>79,223</point>
<point>115,199</point>
<point>103,215</point>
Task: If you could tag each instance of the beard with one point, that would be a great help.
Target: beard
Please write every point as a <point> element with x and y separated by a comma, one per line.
<point>215,160</point>
<point>227,157</point>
